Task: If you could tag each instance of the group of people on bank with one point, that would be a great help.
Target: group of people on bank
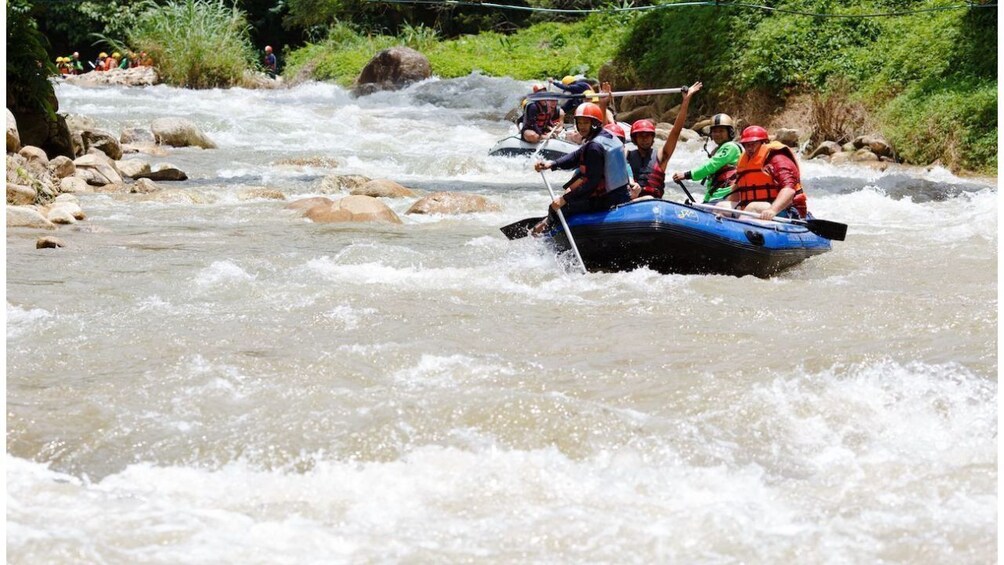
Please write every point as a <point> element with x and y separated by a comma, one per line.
<point>747,173</point>
<point>72,65</point>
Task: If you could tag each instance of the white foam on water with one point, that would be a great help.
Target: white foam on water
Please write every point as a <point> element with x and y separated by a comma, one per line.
<point>875,462</point>
<point>221,273</point>
<point>22,320</point>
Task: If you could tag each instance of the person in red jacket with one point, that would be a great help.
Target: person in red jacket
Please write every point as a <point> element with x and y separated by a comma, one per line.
<point>768,178</point>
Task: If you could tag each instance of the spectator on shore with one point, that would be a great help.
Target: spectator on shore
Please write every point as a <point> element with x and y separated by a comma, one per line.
<point>270,63</point>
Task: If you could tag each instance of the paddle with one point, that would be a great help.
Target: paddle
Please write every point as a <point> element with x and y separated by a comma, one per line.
<point>520,229</point>
<point>545,95</point>
<point>564,225</point>
<point>690,197</point>
<point>822,228</point>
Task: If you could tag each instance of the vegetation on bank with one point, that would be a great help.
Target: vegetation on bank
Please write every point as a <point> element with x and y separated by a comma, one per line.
<point>195,43</point>
<point>28,66</point>
<point>536,52</point>
<point>926,81</point>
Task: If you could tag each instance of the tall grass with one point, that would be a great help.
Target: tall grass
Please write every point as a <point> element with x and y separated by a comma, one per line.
<point>195,43</point>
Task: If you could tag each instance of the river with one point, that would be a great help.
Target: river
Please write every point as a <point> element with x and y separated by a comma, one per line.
<point>225,382</point>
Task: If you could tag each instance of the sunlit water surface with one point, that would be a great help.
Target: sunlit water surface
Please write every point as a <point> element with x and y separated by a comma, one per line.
<point>227,382</point>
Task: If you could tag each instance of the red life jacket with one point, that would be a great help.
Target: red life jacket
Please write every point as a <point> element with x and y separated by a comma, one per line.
<point>545,120</point>
<point>755,184</point>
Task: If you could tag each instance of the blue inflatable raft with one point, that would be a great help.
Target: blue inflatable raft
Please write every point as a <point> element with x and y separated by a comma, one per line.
<point>671,237</point>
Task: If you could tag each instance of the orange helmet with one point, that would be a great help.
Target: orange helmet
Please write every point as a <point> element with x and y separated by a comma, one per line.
<point>753,133</point>
<point>589,110</point>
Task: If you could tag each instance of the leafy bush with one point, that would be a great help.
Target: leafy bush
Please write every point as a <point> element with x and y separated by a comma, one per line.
<point>28,66</point>
<point>947,119</point>
<point>195,43</point>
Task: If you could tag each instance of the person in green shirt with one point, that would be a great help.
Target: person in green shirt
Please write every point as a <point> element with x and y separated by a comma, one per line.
<point>719,174</point>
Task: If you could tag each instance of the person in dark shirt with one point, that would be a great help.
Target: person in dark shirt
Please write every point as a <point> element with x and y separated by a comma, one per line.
<point>540,118</point>
<point>602,177</point>
<point>270,62</point>
<point>571,85</point>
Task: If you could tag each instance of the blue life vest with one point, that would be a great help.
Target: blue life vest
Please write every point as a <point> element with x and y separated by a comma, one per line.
<point>615,165</point>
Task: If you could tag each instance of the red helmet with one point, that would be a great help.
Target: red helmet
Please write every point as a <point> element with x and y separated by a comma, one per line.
<point>642,126</point>
<point>615,129</point>
<point>538,87</point>
<point>753,133</point>
<point>589,110</point>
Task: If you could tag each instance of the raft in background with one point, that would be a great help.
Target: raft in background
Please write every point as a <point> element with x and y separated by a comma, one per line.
<point>670,237</point>
<point>514,146</point>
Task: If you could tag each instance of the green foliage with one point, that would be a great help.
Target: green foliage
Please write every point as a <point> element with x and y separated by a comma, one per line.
<point>195,43</point>
<point>922,75</point>
<point>28,64</point>
<point>947,119</point>
<point>542,50</point>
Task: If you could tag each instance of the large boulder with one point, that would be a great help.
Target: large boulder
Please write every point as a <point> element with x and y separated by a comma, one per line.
<point>33,174</point>
<point>97,169</point>
<point>382,188</point>
<point>637,113</point>
<point>135,76</point>
<point>13,138</point>
<point>392,69</point>
<point>825,148</point>
<point>164,171</point>
<point>102,141</point>
<point>353,209</point>
<point>787,136</point>
<point>62,167</point>
<point>304,204</point>
<point>72,185</point>
<point>137,136</point>
<point>27,217</point>
<point>20,195</point>
<point>133,168</point>
<point>864,154</point>
<point>453,203</point>
<point>40,130</point>
<point>179,132</point>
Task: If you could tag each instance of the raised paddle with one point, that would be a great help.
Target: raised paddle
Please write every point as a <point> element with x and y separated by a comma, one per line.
<point>545,95</point>
<point>822,228</point>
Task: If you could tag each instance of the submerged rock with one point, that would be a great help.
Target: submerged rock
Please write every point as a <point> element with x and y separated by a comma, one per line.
<point>353,209</point>
<point>382,188</point>
<point>453,203</point>
<point>49,242</point>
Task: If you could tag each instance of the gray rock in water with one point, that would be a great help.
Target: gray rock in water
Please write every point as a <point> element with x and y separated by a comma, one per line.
<point>103,141</point>
<point>179,132</point>
<point>137,136</point>
<point>49,242</point>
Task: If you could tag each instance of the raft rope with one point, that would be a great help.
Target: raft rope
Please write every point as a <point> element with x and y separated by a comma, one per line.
<point>718,3</point>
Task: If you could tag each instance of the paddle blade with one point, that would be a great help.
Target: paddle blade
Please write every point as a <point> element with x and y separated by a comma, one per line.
<point>520,229</point>
<point>827,229</point>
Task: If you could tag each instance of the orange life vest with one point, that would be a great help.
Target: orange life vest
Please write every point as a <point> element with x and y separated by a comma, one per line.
<point>755,184</point>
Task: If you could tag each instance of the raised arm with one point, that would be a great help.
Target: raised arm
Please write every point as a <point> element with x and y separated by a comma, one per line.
<point>604,102</point>
<point>674,135</point>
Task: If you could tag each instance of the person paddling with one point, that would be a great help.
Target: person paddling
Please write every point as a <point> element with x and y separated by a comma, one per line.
<point>718,174</point>
<point>768,178</point>
<point>601,181</point>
